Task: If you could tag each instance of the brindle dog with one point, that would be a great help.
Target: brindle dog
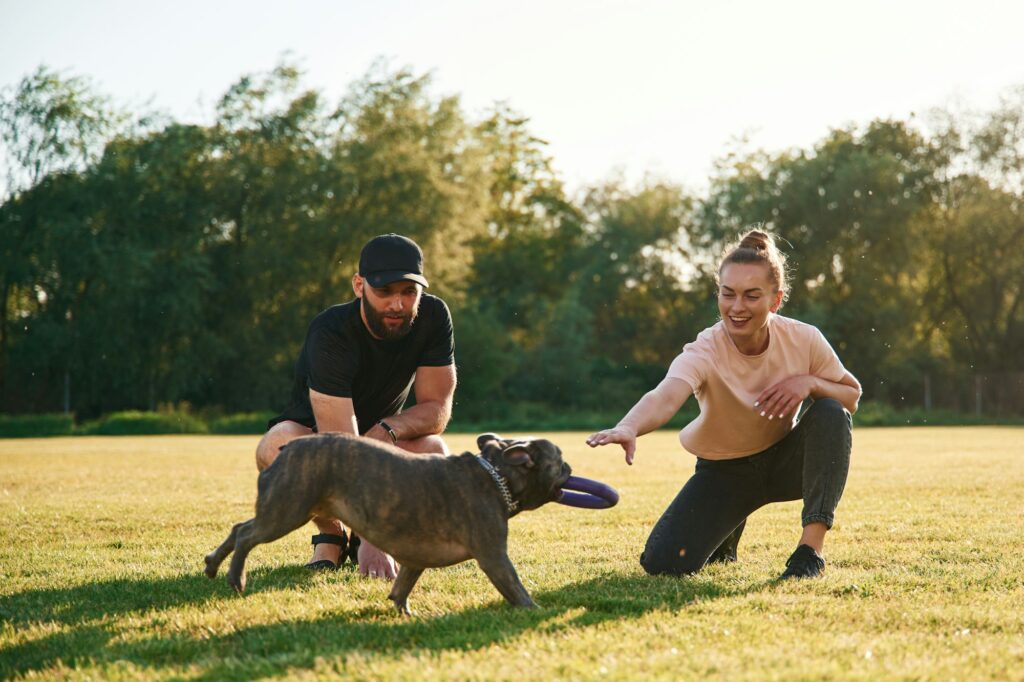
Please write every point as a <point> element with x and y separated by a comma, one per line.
<point>426,511</point>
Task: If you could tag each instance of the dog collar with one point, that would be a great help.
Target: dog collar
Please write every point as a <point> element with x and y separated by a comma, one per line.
<point>502,485</point>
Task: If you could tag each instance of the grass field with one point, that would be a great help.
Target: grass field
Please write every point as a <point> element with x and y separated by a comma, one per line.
<point>102,539</point>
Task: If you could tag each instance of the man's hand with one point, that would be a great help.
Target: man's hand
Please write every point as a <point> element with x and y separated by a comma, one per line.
<point>623,435</point>
<point>377,432</point>
<point>375,563</point>
<point>784,398</point>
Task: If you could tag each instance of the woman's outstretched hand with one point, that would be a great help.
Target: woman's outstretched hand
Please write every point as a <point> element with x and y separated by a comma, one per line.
<point>622,435</point>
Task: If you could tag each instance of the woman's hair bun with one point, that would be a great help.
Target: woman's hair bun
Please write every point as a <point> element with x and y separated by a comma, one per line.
<point>758,246</point>
<point>756,240</point>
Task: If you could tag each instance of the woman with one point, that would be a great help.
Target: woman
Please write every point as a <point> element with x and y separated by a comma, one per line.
<point>750,372</point>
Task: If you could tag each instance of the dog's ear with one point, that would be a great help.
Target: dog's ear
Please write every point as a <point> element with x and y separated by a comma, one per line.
<point>517,454</point>
<point>484,438</point>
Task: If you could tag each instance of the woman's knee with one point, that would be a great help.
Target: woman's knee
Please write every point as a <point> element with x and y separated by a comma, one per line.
<point>655,564</point>
<point>828,406</point>
<point>660,559</point>
<point>830,411</point>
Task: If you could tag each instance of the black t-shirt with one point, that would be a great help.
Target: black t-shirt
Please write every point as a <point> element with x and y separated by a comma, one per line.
<point>340,358</point>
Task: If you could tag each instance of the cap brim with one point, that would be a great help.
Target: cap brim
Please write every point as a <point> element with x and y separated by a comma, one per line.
<point>382,279</point>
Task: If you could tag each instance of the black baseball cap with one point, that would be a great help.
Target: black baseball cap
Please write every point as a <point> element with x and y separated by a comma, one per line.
<point>390,258</point>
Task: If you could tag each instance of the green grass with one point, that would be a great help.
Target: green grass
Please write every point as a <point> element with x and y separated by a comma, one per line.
<point>102,540</point>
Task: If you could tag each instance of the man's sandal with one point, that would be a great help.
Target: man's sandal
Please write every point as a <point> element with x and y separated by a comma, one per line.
<point>353,551</point>
<point>330,539</point>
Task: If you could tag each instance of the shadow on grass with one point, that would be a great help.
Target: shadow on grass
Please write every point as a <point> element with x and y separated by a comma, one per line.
<point>71,605</point>
<point>85,611</point>
<point>284,647</point>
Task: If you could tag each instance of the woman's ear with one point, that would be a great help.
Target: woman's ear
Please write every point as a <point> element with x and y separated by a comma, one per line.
<point>777,303</point>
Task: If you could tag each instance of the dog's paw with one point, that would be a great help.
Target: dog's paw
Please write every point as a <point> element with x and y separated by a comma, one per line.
<point>401,603</point>
<point>237,583</point>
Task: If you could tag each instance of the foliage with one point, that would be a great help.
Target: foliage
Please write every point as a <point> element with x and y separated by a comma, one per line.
<point>147,261</point>
<point>51,124</point>
<point>520,417</point>
<point>530,417</point>
<point>245,423</point>
<point>136,423</point>
<point>847,210</point>
<point>875,413</point>
<point>36,425</point>
<point>900,256</point>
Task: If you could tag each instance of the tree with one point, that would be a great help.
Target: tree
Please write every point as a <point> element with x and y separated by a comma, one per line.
<point>528,253</point>
<point>523,260</point>
<point>977,276</point>
<point>185,263</point>
<point>51,126</point>
<point>51,123</point>
<point>850,211</point>
<point>976,227</point>
<point>637,274</point>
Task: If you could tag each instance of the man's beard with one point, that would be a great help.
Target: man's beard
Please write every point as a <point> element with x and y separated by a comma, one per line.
<point>375,321</point>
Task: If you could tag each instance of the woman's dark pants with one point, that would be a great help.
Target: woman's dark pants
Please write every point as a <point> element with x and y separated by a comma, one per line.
<point>707,516</point>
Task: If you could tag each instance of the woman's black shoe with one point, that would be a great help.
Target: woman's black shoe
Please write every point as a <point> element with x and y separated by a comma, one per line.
<point>804,563</point>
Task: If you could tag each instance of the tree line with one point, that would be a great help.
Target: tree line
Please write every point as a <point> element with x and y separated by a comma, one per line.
<point>147,261</point>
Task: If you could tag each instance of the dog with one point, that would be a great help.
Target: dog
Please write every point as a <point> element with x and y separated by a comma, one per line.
<point>427,511</point>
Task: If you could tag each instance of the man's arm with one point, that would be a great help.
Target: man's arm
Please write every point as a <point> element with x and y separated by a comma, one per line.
<point>435,388</point>
<point>333,414</point>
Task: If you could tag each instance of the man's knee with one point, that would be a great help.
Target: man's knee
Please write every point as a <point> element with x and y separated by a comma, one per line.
<point>426,444</point>
<point>274,439</point>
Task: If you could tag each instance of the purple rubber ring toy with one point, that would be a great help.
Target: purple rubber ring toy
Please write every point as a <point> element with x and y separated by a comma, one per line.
<point>592,494</point>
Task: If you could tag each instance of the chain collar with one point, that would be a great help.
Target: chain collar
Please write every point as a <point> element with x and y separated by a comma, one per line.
<point>511,504</point>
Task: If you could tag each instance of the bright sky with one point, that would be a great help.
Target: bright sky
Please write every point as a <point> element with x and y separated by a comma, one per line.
<point>638,86</point>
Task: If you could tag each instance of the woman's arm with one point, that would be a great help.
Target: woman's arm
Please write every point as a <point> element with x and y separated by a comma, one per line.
<point>650,412</point>
<point>785,397</point>
<point>847,391</point>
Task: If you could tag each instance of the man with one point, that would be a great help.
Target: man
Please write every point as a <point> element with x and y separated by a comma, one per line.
<point>355,370</point>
